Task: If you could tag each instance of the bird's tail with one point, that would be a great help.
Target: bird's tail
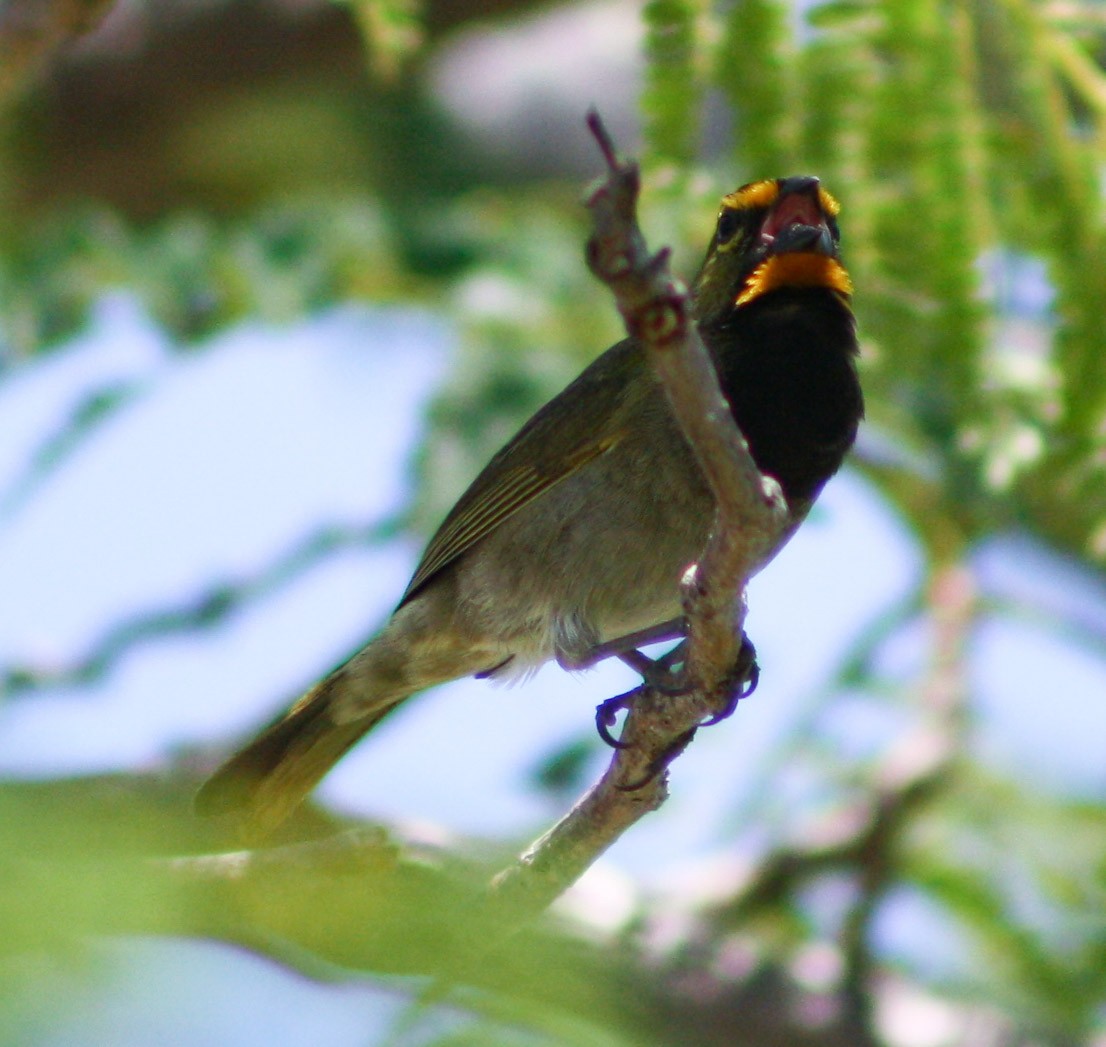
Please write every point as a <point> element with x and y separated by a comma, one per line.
<point>265,782</point>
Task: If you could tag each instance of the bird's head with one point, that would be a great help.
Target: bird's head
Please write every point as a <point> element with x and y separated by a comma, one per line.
<point>775,234</point>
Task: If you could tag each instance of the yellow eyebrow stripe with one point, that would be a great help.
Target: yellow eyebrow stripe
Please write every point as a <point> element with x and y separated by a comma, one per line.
<point>755,194</point>
<point>766,193</point>
<point>828,202</point>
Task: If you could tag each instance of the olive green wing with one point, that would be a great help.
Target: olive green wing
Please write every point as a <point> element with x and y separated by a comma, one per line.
<point>578,425</point>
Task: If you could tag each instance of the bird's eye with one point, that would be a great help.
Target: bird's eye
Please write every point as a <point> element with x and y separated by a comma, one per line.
<point>729,221</point>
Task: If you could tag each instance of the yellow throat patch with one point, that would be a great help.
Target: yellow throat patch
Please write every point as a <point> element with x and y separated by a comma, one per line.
<point>798,269</point>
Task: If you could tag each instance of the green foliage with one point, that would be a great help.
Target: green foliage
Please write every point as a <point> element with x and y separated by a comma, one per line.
<point>674,83</point>
<point>1039,926</point>
<point>195,273</point>
<point>111,856</point>
<point>393,32</point>
<point>753,66</point>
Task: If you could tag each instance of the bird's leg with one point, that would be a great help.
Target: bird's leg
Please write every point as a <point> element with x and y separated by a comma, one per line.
<point>669,680</point>
<point>746,676</point>
<point>656,672</point>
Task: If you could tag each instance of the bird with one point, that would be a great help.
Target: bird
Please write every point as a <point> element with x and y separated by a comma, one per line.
<point>571,543</point>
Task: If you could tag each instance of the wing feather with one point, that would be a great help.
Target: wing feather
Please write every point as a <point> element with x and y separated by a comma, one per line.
<point>589,412</point>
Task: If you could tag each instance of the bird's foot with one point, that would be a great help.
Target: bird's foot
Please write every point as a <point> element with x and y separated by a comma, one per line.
<point>666,675</point>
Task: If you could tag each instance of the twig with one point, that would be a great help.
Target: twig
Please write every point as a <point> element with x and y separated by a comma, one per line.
<point>912,775</point>
<point>32,31</point>
<point>751,516</point>
<point>206,610</point>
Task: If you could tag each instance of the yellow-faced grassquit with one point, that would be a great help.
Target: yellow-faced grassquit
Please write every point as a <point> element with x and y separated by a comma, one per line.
<point>576,534</point>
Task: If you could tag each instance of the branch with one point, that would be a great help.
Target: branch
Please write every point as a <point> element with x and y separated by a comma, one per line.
<point>220,600</point>
<point>355,901</point>
<point>750,519</point>
<point>123,854</point>
<point>31,31</point>
<point>867,841</point>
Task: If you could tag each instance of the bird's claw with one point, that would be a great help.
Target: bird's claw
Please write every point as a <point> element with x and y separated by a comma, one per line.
<point>606,714</point>
<point>666,675</point>
<point>746,676</point>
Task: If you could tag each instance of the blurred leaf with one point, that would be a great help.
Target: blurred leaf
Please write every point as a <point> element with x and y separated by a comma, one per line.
<point>393,32</point>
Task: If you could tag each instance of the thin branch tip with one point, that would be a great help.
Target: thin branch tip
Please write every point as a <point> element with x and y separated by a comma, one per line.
<point>603,138</point>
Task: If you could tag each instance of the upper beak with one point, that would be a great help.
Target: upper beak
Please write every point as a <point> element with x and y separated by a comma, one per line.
<point>796,223</point>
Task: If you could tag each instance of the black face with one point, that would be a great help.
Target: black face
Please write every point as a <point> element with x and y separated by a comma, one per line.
<point>766,220</point>
<point>774,217</point>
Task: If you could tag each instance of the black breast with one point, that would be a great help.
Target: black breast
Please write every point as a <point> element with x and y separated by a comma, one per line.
<point>787,364</point>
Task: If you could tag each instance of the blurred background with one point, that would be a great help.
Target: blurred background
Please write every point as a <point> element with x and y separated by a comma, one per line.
<point>278,276</point>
